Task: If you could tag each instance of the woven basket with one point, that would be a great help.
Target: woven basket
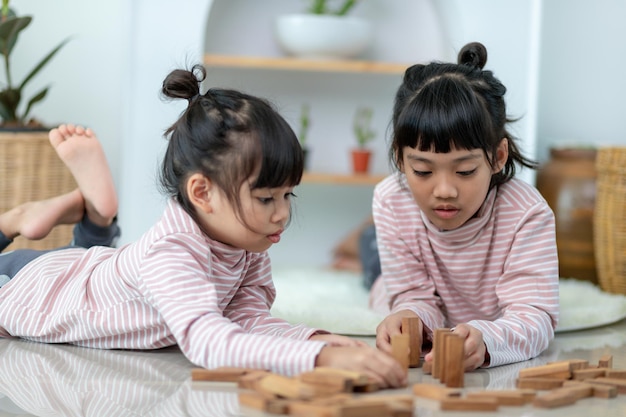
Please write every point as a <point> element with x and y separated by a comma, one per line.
<point>31,170</point>
<point>610,219</point>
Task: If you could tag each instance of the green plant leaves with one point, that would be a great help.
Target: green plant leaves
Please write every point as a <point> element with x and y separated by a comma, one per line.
<point>43,62</point>
<point>9,29</point>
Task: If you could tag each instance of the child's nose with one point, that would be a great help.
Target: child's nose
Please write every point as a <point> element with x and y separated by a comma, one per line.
<point>445,188</point>
<point>281,214</point>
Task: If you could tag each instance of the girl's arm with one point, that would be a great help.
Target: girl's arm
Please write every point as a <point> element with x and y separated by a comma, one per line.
<point>250,306</point>
<point>404,276</point>
<point>174,278</point>
<point>527,292</point>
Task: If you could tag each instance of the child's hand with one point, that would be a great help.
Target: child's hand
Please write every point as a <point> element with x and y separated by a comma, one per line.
<point>475,349</point>
<point>391,326</point>
<point>337,340</point>
<point>381,368</point>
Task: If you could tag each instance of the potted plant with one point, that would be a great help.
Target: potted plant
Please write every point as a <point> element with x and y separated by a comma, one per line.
<point>303,133</point>
<point>324,31</point>
<point>29,166</point>
<point>364,134</point>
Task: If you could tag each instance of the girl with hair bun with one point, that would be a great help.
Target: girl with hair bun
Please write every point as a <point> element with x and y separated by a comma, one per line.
<point>200,278</point>
<point>462,244</point>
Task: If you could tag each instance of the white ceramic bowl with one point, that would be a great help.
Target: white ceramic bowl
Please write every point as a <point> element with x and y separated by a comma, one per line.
<point>322,36</point>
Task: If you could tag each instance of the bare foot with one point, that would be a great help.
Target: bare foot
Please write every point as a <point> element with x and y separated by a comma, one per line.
<point>81,151</point>
<point>35,220</point>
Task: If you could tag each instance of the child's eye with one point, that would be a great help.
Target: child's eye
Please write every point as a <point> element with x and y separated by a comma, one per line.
<point>466,173</point>
<point>289,196</point>
<point>265,200</point>
<point>422,173</point>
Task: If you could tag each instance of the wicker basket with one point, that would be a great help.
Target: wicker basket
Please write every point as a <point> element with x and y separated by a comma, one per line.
<point>31,170</point>
<point>610,219</point>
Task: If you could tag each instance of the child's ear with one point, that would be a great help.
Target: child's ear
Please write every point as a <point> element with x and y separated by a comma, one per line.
<point>502,155</point>
<point>200,190</point>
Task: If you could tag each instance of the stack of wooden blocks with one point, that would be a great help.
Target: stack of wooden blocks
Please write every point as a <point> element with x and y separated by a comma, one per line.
<point>323,392</point>
<point>329,392</point>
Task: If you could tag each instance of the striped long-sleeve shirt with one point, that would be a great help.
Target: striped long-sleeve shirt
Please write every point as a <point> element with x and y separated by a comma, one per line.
<point>172,286</point>
<point>498,272</point>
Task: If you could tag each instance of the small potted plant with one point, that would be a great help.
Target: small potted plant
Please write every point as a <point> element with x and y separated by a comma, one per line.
<point>11,94</point>
<point>29,166</point>
<point>303,133</point>
<point>364,134</point>
<point>324,31</point>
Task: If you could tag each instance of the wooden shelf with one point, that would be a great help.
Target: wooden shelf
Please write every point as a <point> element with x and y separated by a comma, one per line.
<point>296,64</point>
<point>341,179</point>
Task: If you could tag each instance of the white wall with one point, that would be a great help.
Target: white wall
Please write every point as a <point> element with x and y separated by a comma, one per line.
<point>582,84</point>
<point>108,77</point>
<point>88,77</point>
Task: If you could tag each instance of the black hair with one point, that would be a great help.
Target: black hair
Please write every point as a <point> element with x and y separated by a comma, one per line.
<point>441,106</point>
<point>229,137</point>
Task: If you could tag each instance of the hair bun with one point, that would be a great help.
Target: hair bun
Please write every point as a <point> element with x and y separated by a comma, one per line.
<point>473,54</point>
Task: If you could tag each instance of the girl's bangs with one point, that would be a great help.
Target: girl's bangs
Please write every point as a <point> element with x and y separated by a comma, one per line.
<point>442,117</point>
<point>281,158</point>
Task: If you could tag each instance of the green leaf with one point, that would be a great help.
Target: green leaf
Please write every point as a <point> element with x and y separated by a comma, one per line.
<point>318,7</point>
<point>4,112</point>
<point>347,5</point>
<point>35,99</point>
<point>10,98</point>
<point>42,63</point>
<point>9,29</point>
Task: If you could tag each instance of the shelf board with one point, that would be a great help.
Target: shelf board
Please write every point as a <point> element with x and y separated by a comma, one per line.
<point>296,64</point>
<point>341,179</point>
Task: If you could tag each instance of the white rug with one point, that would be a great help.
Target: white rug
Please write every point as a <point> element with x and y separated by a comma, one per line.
<point>336,301</point>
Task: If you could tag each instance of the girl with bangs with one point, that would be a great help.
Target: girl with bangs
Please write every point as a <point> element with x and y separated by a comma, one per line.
<point>462,244</point>
<point>201,276</point>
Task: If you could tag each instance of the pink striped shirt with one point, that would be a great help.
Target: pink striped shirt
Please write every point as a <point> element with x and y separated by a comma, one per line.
<point>498,272</point>
<point>172,286</point>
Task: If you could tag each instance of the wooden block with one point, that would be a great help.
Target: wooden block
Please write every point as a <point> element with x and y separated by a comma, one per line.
<point>260,402</point>
<point>407,399</point>
<point>308,409</point>
<point>505,397</point>
<point>438,352</point>
<point>357,378</point>
<point>360,408</point>
<point>556,398</point>
<point>427,367</point>
<point>468,404</point>
<point>589,373</point>
<point>560,370</point>
<point>221,374</point>
<point>249,380</point>
<point>616,373</point>
<point>370,387</point>
<point>579,391</point>
<point>618,383</point>
<point>399,409</point>
<point>435,392</point>
<point>413,327</point>
<point>335,382</point>
<point>539,383</point>
<point>332,399</point>
<point>606,361</point>
<point>574,363</point>
<point>454,359</point>
<point>348,409</point>
<point>285,387</point>
<point>599,390</point>
<point>400,349</point>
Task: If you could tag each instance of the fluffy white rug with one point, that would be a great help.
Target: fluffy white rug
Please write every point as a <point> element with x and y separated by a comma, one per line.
<point>336,301</point>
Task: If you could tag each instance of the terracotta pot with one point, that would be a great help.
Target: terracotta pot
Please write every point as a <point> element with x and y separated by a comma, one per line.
<point>568,183</point>
<point>361,160</point>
